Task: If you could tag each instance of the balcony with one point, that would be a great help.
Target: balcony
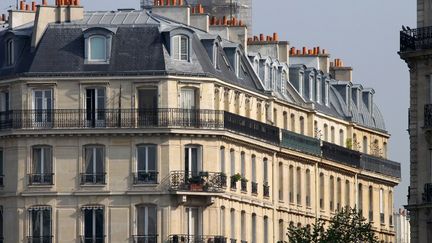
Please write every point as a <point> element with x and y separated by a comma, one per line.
<point>200,182</point>
<point>300,142</point>
<point>340,154</point>
<point>380,165</point>
<point>196,239</point>
<point>416,39</point>
<point>95,239</point>
<point>427,116</point>
<point>266,190</point>
<point>41,239</point>
<point>254,186</point>
<point>251,127</point>
<point>145,239</point>
<point>41,179</point>
<point>110,118</point>
<point>93,179</point>
<point>145,178</point>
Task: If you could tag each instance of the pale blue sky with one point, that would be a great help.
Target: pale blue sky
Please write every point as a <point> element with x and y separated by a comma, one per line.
<point>365,34</point>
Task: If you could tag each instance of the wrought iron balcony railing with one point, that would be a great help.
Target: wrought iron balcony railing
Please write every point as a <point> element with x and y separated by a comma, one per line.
<point>197,182</point>
<point>266,190</point>
<point>254,188</point>
<point>91,239</point>
<point>93,178</point>
<point>416,39</point>
<point>145,238</point>
<point>41,179</point>
<point>39,239</point>
<point>145,177</point>
<point>300,142</point>
<point>110,118</point>
<point>196,239</point>
<point>340,154</point>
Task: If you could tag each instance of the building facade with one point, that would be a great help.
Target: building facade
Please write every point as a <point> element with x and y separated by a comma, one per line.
<point>415,51</point>
<point>129,126</point>
<point>402,226</point>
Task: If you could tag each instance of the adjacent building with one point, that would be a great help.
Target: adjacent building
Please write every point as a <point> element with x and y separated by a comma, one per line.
<point>402,226</point>
<point>171,125</point>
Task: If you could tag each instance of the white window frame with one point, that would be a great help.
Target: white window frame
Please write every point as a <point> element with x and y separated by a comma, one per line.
<point>90,50</point>
<point>176,42</point>
<point>10,52</point>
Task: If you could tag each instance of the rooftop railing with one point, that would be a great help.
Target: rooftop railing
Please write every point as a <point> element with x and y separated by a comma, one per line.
<point>300,142</point>
<point>196,239</point>
<point>197,182</point>
<point>416,39</point>
<point>340,154</point>
<point>380,165</point>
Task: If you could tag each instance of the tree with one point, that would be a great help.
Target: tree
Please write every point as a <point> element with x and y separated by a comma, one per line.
<point>346,226</point>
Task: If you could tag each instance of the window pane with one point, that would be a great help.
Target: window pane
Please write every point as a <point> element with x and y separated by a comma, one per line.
<point>141,220</point>
<point>184,48</point>
<point>152,221</point>
<point>46,223</point>
<point>98,48</point>
<point>37,160</point>
<point>152,158</point>
<point>88,160</point>
<point>36,219</point>
<point>99,160</point>
<point>141,151</point>
<point>88,223</point>
<point>176,47</point>
<point>47,160</point>
<point>99,223</point>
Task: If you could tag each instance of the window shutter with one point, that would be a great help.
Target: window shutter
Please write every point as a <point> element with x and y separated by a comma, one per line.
<point>176,47</point>
<point>184,49</point>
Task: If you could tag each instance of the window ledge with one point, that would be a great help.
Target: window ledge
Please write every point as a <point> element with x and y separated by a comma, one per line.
<point>40,186</point>
<point>88,62</point>
<point>146,185</point>
<point>93,185</point>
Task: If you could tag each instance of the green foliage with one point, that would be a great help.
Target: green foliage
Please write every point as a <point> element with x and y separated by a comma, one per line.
<point>346,226</point>
<point>349,143</point>
<point>235,178</point>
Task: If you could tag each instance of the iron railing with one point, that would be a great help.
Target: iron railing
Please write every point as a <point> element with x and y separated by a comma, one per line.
<point>93,178</point>
<point>380,165</point>
<point>266,190</point>
<point>428,116</point>
<point>41,179</point>
<point>254,188</point>
<point>39,239</point>
<point>416,39</point>
<point>196,239</point>
<point>251,127</point>
<point>145,238</point>
<point>243,185</point>
<point>91,239</point>
<point>300,142</point>
<point>110,118</point>
<point>340,154</point>
<point>145,177</point>
<point>197,182</point>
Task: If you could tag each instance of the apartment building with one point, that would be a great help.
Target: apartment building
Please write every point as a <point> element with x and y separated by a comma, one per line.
<point>172,126</point>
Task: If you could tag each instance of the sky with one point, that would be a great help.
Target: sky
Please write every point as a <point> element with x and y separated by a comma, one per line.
<point>365,34</point>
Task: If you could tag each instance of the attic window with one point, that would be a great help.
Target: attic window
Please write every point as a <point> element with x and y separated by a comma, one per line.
<point>10,52</point>
<point>180,48</point>
<point>97,49</point>
<point>215,56</point>
<point>237,64</point>
<point>226,62</point>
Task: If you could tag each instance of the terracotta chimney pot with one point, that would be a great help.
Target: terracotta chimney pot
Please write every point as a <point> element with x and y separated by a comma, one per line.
<point>240,23</point>
<point>27,7</point>
<point>181,3</point>
<point>275,36</point>
<point>193,10</point>
<point>256,38</point>
<point>304,50</point>
<point>298,52</point>
<point>261,37</point>
<point>213,20</point>
<point>224,20</point>
<point>44,2</point>
<point>21,5</point>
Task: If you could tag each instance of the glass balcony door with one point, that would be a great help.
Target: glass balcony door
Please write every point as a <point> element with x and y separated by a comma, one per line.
<point>194,225</point>
<point>146,225</point>
<point>193,165</point>
<point>148,107</point>
<point>42,106</point>
<point>40,225</point>
<point>188,107</point>
<point>95,107</point>
<point>93,225</point>
<point>41,166</point>
<point>146,164</point>
<point>94,165</point>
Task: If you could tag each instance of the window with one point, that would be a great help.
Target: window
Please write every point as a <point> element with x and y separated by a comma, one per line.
<point>284,78</point>
<point>266,226</point>
<point>371,204</point>
<point>237,64</point>
<point>40,224</point>
<point>1,224</point>
<point>326,135</point>
<point>299,186</point>
<point>275,118</point>
<point>215,55</point>
<point>291,184</point>
<point>302,125</point>
<point>338,193</point>
<point>285,120</point>
<point>341,138</point>
<point>254,179</point>
<point>390,207</point>
<point>308,188</point>
<point>256,66</point>
<point>381,203</point>
<point>42,105</point>
<point>41,167</point>
<point>267,75</point>
<point>10,52</point>
<point>188,103</point>
<point>194,222</point>
<point>347,193</point>
<point>222,159</point>
<point>222,221</point>
<point>93,224</point>
<point>332,194</point>
<point>243,164</point>
<point>254,228</point>
<point>193,160</point>
<point>360,198</point>
<point>94,165</point>
<point>233,224</point>
<point>293,123</point>
<point>322,188</point>
<point>180,48</point>
<point>265,171</point>
<point>243,226</point>
<point>365,145</point>
<point>232,161</point>
<point>281,231</point>
<point>97,48</point>
<point>4,104</point>
<point>146,172</point>
<point>384,150</point>
<point>332,133</point>
<point>281,182</point>
<point>95,107</point>
<point>1,168</point>
<point>146,223</point>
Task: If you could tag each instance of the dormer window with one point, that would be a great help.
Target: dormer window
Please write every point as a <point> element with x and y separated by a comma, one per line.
<point>10,52</point>
<point>215,55</point>
<point>180,48</point>
<point>97,49</point>
<point>267,75</point>
<point>284,78</point>
<point>97,45</point>
<point>237,64</point>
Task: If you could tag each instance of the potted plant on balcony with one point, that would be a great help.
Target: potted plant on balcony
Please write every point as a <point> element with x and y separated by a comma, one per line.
<point>196,183</point>
<point>234,179</point>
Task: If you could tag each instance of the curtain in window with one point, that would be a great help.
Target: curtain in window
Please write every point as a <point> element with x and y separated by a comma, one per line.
<point>88,166</point>
<point>184,49</point>
<point>98,48</point>
<point>40,225</point>
<point>37,161</point>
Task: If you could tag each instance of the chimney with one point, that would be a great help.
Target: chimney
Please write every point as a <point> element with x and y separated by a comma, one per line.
<point>340,72</point>
<point>180,12</point>
<point>64,11</point>
<point>21,16</point>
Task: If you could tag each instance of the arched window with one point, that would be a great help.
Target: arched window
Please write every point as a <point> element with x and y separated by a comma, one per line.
<point>326,137</point>
<point>365,145</point>
<point>293,127</point>
<point>332,134</point>
<point>341,138</point>
<point>299,186</point>
<point>254,228</point>
<point>371,211</point>
<point>266,229</point>
<point>332,194</point>
<point>265,171</point>
<point>243,164</point>
<point>355,142</point>
<point>222,159</point>
<point>321,191</point>
<point>281,182</point>
<point>285,120</point>
<point>338,193</point>
<point>381,204</point>
<point>360,199</point>
<point>390,207</point>
<point>180,48</point>
<point>308,188</point>
<point>10,52</point>
<point>385,150</point>
<point>291,184</point>
<point>302,125</point>
<point>237,64</point>
<point>40,225</point>
<point>281,231</point>
<point>347,194</point>
<point>97,48</point>
<point>222,221</point>
<point>232,162</point>
<point>215,56</point>
<point>254,177</point>
<point>275,118</point>
<point>243,226</point>
<point>233,223</point>
<point>146,220</point>
<point>267,75</point>
<point>94,223</point>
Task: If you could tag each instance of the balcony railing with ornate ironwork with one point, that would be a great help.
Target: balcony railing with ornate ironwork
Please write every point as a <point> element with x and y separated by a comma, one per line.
<point>39,239</point>
<point>196,239</point>
<point>145,177</point>
<point>254,188</point>
<point>266,190</point>
<point>110,118</point>
<point>93,178</point>
<point>92,239</point>
<point>41,179</point>
<point>416,39</point>
<point>145,239</point>
<point>251,127</point>
<point>197,182</point>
